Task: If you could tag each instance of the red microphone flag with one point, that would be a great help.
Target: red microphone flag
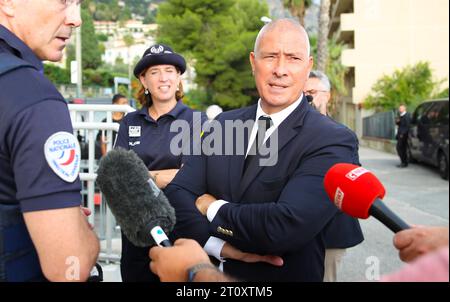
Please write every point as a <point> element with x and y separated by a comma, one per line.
<point>353,189</point>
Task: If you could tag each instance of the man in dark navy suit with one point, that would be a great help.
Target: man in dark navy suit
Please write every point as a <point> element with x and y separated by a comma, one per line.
<point>242,205</point>
<point>403,120</point>
<point>343,231</point>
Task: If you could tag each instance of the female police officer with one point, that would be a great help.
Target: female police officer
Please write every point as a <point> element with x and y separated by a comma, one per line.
<point>147,132</point>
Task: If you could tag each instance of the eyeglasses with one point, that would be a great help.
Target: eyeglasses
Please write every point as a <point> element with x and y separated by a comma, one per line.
<point>314,92</point>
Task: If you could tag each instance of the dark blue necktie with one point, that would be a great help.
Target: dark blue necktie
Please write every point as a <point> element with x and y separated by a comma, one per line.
<point>264,123</point>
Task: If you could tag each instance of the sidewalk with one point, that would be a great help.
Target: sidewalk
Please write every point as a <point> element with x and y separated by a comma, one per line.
<point>111,271</point>
<point>417,194</point>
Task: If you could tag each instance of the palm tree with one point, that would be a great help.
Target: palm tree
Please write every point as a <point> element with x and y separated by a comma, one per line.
<point>298,8</point>
<point>336,72</point>
<point>334,69</point>
<point>322,38</point>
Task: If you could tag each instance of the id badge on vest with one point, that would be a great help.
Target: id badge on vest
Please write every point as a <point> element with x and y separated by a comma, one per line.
<point>134,131</point>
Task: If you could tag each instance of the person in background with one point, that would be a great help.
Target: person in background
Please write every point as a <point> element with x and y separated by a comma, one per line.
<point>343,231</point>
<point>318,87</point>
<point>403,121</point>
<point>118,99</point>
<point>147,132</point>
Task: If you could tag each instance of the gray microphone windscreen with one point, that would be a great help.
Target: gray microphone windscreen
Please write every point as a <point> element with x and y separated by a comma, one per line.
<point>135,201</point>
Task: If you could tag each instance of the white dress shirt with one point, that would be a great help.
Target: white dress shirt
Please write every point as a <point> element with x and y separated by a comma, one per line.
<point>214,245</point>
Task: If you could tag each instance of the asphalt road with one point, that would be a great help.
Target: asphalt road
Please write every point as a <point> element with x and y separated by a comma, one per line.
<point>416,193</point>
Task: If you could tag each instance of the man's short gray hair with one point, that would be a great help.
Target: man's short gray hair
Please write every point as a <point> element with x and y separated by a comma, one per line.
<point>316,74</point>
<point>270,26</point>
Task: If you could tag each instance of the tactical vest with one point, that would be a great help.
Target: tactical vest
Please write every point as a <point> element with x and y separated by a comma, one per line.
<point>18,258</point>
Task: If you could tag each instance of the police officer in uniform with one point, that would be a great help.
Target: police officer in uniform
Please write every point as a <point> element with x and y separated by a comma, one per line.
<point>44,233</point>
<point>147,132</point>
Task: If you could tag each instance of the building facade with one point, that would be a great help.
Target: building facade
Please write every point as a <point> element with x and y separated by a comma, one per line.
<point>383,36</point>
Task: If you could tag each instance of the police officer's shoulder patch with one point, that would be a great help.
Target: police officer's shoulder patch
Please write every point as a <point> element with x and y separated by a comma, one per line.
<point>62,152</point>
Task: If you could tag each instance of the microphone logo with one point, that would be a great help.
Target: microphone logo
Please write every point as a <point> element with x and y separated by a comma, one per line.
<point>339,198</point>
<point>356,173</point>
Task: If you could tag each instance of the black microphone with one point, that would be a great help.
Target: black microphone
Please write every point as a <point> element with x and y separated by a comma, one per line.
<point>139,206</point>
<point>380,211</point>
<point>309,98</point>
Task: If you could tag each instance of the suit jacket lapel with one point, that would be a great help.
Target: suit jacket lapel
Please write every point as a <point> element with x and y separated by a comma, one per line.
<point>286,132</point>
<point>236,162</point>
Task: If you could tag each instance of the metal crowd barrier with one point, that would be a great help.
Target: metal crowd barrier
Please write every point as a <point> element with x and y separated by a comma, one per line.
<point>83,119</point>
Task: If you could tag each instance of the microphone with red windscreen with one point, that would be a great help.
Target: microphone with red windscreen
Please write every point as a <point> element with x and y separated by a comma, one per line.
<point>357,192</point>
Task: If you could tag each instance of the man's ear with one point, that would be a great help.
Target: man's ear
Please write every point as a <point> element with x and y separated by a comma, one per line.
<point>7,7</point>
<point>310,63</point>
<point>328,96</point>
<point>252,62</point>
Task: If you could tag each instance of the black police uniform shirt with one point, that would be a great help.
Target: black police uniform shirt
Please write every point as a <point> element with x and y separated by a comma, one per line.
<point>151,140</point>
<point>39,156</point>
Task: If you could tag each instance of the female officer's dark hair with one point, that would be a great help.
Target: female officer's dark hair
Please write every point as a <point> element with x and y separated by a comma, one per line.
<point>159,54</point>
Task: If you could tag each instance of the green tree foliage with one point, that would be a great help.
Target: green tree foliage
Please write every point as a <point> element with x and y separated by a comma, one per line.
<point>125,14</point>
<point>150,18</point>
<point>110,10</point>
<point>57,74</point>
<point>107,11</point>
<point>410,85</point>
<point>92,57</point>
<point>334,69</point>
<point>216,37</point>
<point>441,94</point>
<point>90,47</point>
<point>102,37</point>
<point>298,8</point>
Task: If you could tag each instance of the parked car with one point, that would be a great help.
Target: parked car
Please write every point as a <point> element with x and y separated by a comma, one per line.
<point>428,135</point>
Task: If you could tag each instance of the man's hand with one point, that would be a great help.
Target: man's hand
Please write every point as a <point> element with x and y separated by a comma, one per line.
<point>87,212</point>
<point>172,263</point>
<point>163,177</point>
<point>203,202</point>
<point>417,241</point>
<point>230,252</point>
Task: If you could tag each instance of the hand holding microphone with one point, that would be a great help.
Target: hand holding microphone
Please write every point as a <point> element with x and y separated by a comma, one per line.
<point>139,206</point>
<point>357,192</point>
<point>172,264</point>
<point>420,240</point>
